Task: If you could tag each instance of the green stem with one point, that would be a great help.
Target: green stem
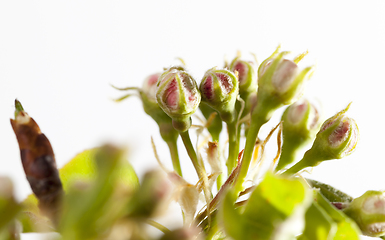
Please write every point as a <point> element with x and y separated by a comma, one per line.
<point>190,151</point>
<point>295,168</point>
<point>158,226</point>
<point>309,160</point>
<point>259,116</point>
<point>287,157</point>
<point>220,181</point>
<point>247,155</point>
<point>233,146</point>
<point>174,157</point>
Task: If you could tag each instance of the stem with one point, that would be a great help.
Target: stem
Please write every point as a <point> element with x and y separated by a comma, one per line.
<point>174,156</point>
<point>233,146</point>
<point>287,157</point>
<point>220,181</point>
<point>247,155</point>
<point>259,116</point>
<point>294,169</point>
<point>308,160</point>
<point>158,226</point>
<point>190,151</point>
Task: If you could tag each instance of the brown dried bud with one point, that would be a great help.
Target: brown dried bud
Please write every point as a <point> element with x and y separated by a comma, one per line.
<point>38,162</point>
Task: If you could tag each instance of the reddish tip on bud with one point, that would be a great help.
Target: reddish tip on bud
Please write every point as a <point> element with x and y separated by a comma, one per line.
<point>178,96</point>
<point>219,90</point>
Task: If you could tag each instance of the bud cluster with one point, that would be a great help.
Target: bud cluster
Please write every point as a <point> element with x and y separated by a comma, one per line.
<point>97,195</point>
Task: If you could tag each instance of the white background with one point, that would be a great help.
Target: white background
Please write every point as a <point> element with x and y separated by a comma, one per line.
<point>59,59</point>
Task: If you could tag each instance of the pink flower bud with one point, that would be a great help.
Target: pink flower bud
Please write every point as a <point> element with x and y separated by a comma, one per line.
<point>178,96</point>
<point>341,134</point>
<point>281,79</point>
<point>337,138</point>
<point>149,86</point>
<point>246,75</point>
<point>219,90</point>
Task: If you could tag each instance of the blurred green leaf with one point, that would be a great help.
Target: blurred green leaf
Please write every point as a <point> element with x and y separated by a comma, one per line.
<point>318,226</point>
<point>90,208</point>
<point>8,205</point>
<point>347,229</point>
<point>9,208</point>
<point>324,221</point>
<point>150,197</point>
<point>83,167</point>
<point>275,210</point>
<point>34,223</point>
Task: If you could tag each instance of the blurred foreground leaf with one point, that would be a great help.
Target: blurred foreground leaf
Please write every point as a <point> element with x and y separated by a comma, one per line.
<point>91,208</point>
<point>324,221</point>
<point>9,208</point>
<point>275,210</point>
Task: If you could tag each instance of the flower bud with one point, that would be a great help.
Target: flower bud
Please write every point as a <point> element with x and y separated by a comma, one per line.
<point>150,106</point>
<point>178,96</point>
<point>337,138</point>
<point>368,211</point>
<point>248,83</point>
<point>246,76</point>
<point>301,121</point>
<point>149,86</point>
<point>219,90</point>
<point>38,161</point>
<point>281,79</point>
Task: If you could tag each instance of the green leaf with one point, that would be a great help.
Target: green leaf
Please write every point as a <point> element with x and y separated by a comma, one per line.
<point>347,229</point>
<point>230,217</point>
<point>318,226</point>
<point>9,208</point>
<point>34,223</point>
<point>330,193</point>
<point>83,168</point>
<point>324,221</point>
<point>91,208</point>
<point>275,210</point>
